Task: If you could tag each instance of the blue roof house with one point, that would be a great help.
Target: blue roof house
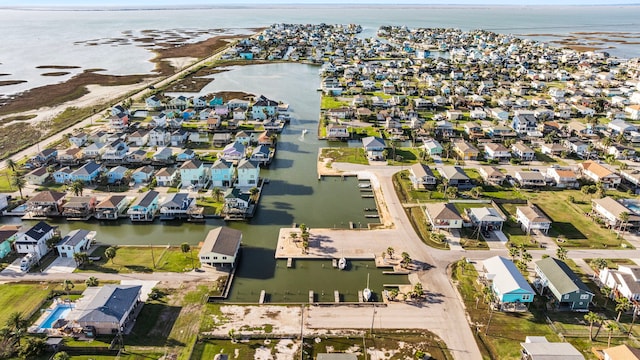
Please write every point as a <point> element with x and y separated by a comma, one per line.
<point>62,175</point>
<point>116,174</point>
<point>89,172</point>
<point>145,207</point>
<point>511,289</point>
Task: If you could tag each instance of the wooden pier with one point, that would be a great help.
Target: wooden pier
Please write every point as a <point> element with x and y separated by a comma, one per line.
<point>336,296</point>
<point>311,296</point>
<point>289,262</point>
<point>360,296</point>
<point>334,263</point>
<point>263,295</point>
<point>367,196</point>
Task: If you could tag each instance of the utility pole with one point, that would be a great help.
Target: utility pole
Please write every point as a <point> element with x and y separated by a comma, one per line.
<point>153,258</point>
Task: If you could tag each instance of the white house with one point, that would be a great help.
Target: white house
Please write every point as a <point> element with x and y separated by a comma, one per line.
<point>248,173</point>
<point>35,240</point>
<point>625,280</point>
<point>531,218</point>
<point>76,241</point>
<point>220,247</point>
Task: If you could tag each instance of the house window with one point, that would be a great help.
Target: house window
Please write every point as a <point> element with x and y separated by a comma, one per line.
<point>566,297</point>
<point>526,297</point>
<point>215,258</point>
<point>584,296</point>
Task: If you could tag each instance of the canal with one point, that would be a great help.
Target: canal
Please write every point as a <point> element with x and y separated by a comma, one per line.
<point>294,195</point>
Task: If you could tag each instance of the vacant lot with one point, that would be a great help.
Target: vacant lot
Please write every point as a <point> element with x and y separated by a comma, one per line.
<point>22,298</point>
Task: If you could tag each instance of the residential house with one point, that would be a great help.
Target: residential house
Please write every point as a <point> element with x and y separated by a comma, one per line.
<point>465,150</point>
<point>625,281</point>
<point>187,154</point>
<point>79,207</point>
<point>486,218</point>
<point>621,352</point>
<point>139,137</point>
<point>500,131</point>
<point>153,102</point>
<point>119,122</point>
<point>222,173</point>
<point>499,114</point>
<point>619,126</point>
<point>163,155</point>
<point>609,210</point>
<point>137,157</point>
<point>37,176</point>
<point>444,128</point>
<point>507,283</point>
<point>599,173</point>
<point>265,139</point>
<point>116,174</point>
<point>62,175</point>
<point>87,173</point>
<point>531,218</point>
<point>46,203</point>
<point>552,149</point>
<point>633,112</point>
<point>177,205</point>
<point>78,139</point>
<point>243,138</point>
<point>194,173</point>
<point>108,309</point>
<point>145,207</point>
<point>491,175</point>
<point>563,178</point>
<point>539,348</point>
<point>570,293</point>
<point>221,139</point>
<point>577,147</point>
<point>143,174</point>
<point>523,152</point>
<point>432,147</point>
<point>220,247</point>
<point>524,124</point>
<point>8,235</point>
<point>261,154</point>
<point>94,150</point>
<point>248,174</point>
<point>421,176</point>
<point>456,177</point>
<point>111,207</point>
<point>46,156</point>
<point>159,137</point>
<point>233,152</point>
<point>116,151</point>
<point>236,202</point>
<point>443,216</point>
<point>374,147</point>
<point>337,132</point>
<point>75,242</point>
<point>530,179</point>
<point>35,240</point>
<point>167,176</point>
<point>263,108</point>
<point>621,152</point>
<point>496,151</point>
<point>179,137</point>
<point>70,156</point>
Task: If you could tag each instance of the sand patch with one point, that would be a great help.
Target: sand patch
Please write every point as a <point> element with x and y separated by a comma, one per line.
<point>266,319</point>
<point>286,349</point>
<point>263,353</point>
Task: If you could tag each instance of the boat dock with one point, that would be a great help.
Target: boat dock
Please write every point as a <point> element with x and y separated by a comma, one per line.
<point>263,295</point>
<point>367,196</point>
<point>311,296</point>
<point>336,296</point>
<point>289,262</point>
<point>334,263</point>
<point>360,296</point>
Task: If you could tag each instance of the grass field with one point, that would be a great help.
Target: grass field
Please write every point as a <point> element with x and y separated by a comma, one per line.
<point>131,259</point>
<point>22,298</point>
<point>346,155</point>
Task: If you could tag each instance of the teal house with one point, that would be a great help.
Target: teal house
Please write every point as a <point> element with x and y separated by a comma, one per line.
<point>511,289</point>
<point>8,235</point>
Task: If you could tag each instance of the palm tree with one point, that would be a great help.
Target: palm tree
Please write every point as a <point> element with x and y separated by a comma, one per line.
<point>91,281</point>
<point>19,183</point>
<point>622,304</point>
<point>11,164</point>
<point>624,219</point>
<point>254,191</point>
<point>611,327</point>
<point>476,192</point>
<point>390,251</point>
<point>446,147</point>
<point>606,291</point>
<point>592,318</point>
<point>598,263</point>
<point>525,256</point>
<point>406,259</point>
<point>61,355</point>
<point>110,253</point>
<point>561,253</point>
<point>185,248</point>
<point>77,187</point>
<point>217,192</point>
<point>633,319</point>
<point>513,252</point>
<point>78,258</point>
<point>67,285</point>
<point>17,324</point>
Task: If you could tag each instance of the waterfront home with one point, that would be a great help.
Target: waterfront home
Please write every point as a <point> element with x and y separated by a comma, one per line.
<point>79,207</point>
<point>167,176</point>
<point>116,174</point>
<point>456,177</point>
<point>530,179</point>
<point>153,102</point>
<point>374,147</point>
<point>62,175</point>
<point>552,149</point>
<point>194,173</point>
<point>563,178</point>
<point>265,139</point>
<point>491,175</point>
<point>70,156</point>
<point>263,107</point>
<point>621,352</point>
<point>142,174</point>
<point>507,283</point>
<point>421,176</point>
<point>221,139</point>
<point>8,235</point>
<point>531,218</point>
<point>137,156</point>
<point>238,104</point>
<point>486,218</point>
<point>87,173</point>
<point>465,150</point>
<point>35,239</point>
<point>555,277</point>
<point>75,242</point>
<point>609,210</point>
<point>46,203</point>
<point>524,124</point>
<point>523,152</point>
<point>599,173</point>
<point>243,138</point>
<point>139,137</point>
<point>119,122</point>
<point>94,150</point>
<point>220,247</point>
<point>116,151</point>
<point>261,154</point>
<point>108,309</point>
<point>222,173</point>
<point>179,137</point>
<point>159,121</point>
<point>78,139</point>
<point>248,173</point>
<point>443,216</point>
<point>337,132</point>
<point>145,207</point>
<point>625,281</point>
<point>111,207</point>
<point>179,102</point>
<point>177,205</point>
<point>46,156</point>
<point>432,147</point>
<point>539,348</point>
<point>187,154</point>
<point>37,176</point>
<point>496,151</point>
<point>233,152</point>
<point>163,155</point>
<point>236,202</point>
<point>159,137</point>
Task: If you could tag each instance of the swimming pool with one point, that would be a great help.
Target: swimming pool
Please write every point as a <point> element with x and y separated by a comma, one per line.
<point>633,207</point>
<point>59,312</point>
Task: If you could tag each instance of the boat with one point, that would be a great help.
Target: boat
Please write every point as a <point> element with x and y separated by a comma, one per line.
<point>366,293</point>
<point>304,131</point>
<point>342,263</point>
<point>364,185</point>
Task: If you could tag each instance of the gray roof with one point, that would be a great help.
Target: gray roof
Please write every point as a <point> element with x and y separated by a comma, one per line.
<point>191,164</point>
<point>222,240</point>
<point>74,237</point>
<point>147,198</point>
<point>562,278</point>
<point>222,164</point>
<point>505,275</point>
<point>373,142</point>
<point>246,164</point>
<point>181,200</point>
<point>111,201</point>
<point>421,170</point>
<point>551,351</point>
<point>533,214</point>
<point>485,214</point>
<point>109,304</point>
<point>444,211</point>
<point>454,173</point>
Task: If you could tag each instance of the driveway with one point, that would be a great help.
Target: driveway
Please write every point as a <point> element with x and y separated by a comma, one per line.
<point>61,266</point>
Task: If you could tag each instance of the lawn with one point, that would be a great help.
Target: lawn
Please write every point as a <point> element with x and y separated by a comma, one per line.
<point>5,180</point>
<point>406,192</point>
<point>613,263</point>
<point>23,298</point>
<point>130,259</point>
<point>211,205</point>
<point>330,102</point>
<point>345,154</point>
<point>409,156</point>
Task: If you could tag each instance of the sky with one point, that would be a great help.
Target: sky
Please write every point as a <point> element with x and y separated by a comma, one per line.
<point>157,3</point>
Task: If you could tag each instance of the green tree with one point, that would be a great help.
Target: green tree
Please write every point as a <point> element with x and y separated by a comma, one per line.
<point>61,355</point>
<point>406,259</point>
<point>17,326</point>
<point>19,183</point>
<point>418,291</point>
<point>451,192</point>
<point>11,164</point>
<point>513,252</point>
<point>110,253</point>
<point>77,187</point>
<point>624,220</point>
<point>33,347</point>
<point>67,285</point>
<point>185,248</point>
<point>80,258</point>
<point>92,281</point>
<point>598,263</point>
<point>254,192</point>
<point>217,193</point>
<point>606,292</point>
<point>390,252</point>
<point>592,318</point>
<point>561,253</point>
<point>622,304</point>
<point>476,192</point>
<point>611,327</point>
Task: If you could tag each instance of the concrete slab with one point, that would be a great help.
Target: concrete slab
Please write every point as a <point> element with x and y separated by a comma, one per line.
<point>147,285</point>
<point>61,266</point>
